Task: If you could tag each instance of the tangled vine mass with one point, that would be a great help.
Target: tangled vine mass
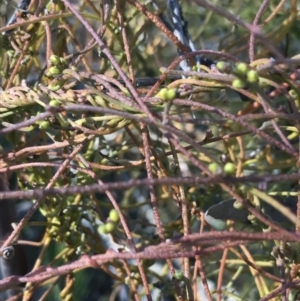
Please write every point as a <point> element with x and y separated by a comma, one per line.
<point>149,150</point>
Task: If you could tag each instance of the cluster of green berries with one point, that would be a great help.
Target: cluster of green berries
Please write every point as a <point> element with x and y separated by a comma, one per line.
<point>58,64</point>
<point>65,225</point>
<point>228,169</point>
<point>46,124</point>
<point>111,223</point>
<point>243,73</point>
<point>166,94</point>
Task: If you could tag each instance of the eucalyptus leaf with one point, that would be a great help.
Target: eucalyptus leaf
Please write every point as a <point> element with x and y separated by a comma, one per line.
<point>218,214</point>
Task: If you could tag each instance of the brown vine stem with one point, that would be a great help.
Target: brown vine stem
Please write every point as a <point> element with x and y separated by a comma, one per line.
<point>214,76</point>
<point>199,265</point>
<point>255,266</point>
<point>17,65</point>
<point>67,28</point>
<point>125,41</point>
<point>202,274</point>
<point>255,23</point>
<point>298,204</point>
<point>29,286</point>
<point>34,19</point>
<point>221,274</point>
<point>259,280</point>
<point>184,207</point>
<point>160,231</point>
<point>132,284</point>
<point>274,12</point>
<point>33,164</point>
<point>48,42</point>
<point>86,189</point>
<point>222,12</point>
<point>172,249</point>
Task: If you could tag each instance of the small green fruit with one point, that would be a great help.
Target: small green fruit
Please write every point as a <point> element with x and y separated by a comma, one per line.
<point>44,125</point>
<point>54,70</point>
<point>222,66</point>
<point>293,94</point>
<point>171,94</point>
<point>63,61</point>
<point>229,168</point>
<point>252,76</point>
<point>54,103</point>
<point>238,83</point>
<point>102,229</point>
<point>54,59</point>
<point>241,68</point>
<point>178,275</point>
<point>214,167</point>
<point>54,87</point>
<point>110,227</point>
<point>251,218</point>
<point>162,94</point>
<point>238,205</point>
<point>114,215</point>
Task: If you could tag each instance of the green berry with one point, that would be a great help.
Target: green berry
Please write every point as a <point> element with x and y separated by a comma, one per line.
<point>114,215</point>
<point>54,59</point>
<point>102,229</point>
<point>251,218</point>
<point>222,66</point>
<point>178,275</point>
<point>59,6</point>
<point>293,94</point>
<point>162,94</point>
<point>238,83</point>
<point>54,87</point>
<point>229,168</point>
<point>252,76</point>
<point>110,227</point>
<point>214,167</point>
<point>241,68</point>
<point>44,125</point>
<point>238,205</point>
<point>54,70</point>
<point>54,103</point>
<point>171,94</point>
<point>63,61</point>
